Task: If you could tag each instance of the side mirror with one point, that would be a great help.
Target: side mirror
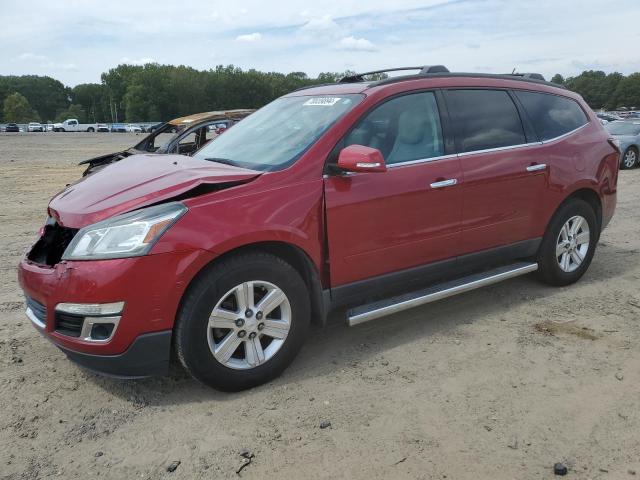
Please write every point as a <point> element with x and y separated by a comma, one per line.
<point>358,158</point>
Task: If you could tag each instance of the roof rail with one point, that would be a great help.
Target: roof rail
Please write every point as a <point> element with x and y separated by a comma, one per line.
<point>533,76</point>
<point>425,69</point>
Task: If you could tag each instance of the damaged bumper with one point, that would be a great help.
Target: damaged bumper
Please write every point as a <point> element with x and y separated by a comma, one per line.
<point>72,304</point>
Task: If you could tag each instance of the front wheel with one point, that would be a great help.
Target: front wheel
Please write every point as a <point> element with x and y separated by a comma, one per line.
<point>242,321</point>
<point>630,158</point>
<point>569,243</point>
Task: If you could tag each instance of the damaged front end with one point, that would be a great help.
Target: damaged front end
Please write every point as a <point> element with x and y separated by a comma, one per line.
<point>54,240</point>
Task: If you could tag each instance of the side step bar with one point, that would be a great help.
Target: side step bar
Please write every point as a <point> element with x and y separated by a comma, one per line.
<point>371,311</point>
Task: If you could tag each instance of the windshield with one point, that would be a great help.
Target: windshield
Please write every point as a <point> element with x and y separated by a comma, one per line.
<point>623,128</point>
<point>278,134</point>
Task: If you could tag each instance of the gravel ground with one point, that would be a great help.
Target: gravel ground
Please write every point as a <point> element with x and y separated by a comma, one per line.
<point>498,383</point>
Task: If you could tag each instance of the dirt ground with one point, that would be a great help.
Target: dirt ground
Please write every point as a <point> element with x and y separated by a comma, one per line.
<point>498,383</point>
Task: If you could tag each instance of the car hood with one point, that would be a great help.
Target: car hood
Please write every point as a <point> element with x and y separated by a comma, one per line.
<point>140,181</point>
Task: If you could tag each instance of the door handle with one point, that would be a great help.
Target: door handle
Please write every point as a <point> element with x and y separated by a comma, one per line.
<point>444,183</point>
<point>537,167</point>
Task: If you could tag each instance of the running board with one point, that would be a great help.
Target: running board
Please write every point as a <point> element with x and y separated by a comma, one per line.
<point>371,311</point>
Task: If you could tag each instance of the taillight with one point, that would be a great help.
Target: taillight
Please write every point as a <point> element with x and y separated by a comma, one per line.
<point>615,143</point>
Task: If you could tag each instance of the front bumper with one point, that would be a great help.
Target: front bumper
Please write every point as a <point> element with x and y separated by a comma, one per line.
<point>150,287</point>
<point>147,356</point>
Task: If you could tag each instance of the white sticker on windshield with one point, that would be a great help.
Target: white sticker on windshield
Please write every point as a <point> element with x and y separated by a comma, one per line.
<point>322,101</point>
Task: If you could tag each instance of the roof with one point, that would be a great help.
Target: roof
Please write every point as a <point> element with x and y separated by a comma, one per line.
<point>237,114</point>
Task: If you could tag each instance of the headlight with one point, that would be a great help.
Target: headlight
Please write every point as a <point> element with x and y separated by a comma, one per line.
<point>129,235</point>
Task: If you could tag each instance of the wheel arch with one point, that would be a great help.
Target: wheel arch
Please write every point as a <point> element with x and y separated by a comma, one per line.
<point>293,255</point>
<point>588,195</point>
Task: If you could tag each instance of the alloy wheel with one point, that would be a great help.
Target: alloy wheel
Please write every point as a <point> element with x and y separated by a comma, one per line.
<point>249,325</point>
<point>630,158</point>
<point>572,244</point>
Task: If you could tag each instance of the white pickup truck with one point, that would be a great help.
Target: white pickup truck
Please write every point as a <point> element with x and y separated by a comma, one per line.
<point>72,125</point>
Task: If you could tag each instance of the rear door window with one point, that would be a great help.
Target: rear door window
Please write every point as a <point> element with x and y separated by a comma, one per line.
<point>484,119</point>
<point>552,115</point>
<point>404,129</point>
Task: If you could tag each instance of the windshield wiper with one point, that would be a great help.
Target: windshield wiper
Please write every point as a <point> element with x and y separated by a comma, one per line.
<point>225,161</point>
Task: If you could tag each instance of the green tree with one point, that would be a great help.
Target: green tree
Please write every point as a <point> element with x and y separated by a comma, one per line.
<point>45,94</point>
<point>557,78</point>
<point>94,100</point>
<point>627,93</point>
<point>18,110</point>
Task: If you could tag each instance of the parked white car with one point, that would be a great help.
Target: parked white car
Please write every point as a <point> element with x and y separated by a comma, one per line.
<point>72,125</point>
<point>35,127</point>
<point>134,128</point>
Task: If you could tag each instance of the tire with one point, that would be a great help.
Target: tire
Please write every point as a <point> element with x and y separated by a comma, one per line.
<point>90,130</point>
<point>214,288</point>
<point>629,158</point>
<point>557,255</point>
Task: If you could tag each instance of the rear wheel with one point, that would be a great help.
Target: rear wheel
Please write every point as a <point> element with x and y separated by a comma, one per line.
<point>90,129</point>
<point>630,158</point>
<point>568,244</point>
<point>242,322</point>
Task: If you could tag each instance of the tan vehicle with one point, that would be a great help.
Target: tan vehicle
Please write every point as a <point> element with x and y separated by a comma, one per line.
<point>182,135</point>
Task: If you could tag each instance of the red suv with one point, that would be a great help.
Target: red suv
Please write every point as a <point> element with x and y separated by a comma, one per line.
<point>375,195</point>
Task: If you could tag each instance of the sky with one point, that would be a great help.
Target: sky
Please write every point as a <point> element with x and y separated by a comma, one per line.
<point>76,40</point>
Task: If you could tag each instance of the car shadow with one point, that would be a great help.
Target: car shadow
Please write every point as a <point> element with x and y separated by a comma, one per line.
<point>336,346</point>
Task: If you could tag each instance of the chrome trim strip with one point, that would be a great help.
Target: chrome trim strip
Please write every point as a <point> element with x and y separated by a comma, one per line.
<point>544,142</point>
<point>535,168</point>
<point>439,292</point>
<point>499,149</point>
<point>420,160</point>
<point>32,316</point>
<point>90,309</point>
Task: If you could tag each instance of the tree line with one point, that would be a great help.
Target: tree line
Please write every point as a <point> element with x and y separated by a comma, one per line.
<point>154,92</point>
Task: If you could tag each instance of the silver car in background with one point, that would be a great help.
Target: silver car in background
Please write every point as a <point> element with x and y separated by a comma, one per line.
<point>627,133</point>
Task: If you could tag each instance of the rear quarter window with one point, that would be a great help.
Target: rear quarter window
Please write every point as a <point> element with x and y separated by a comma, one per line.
<point>552,115</point>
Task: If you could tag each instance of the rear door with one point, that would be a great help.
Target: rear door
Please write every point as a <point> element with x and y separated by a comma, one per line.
<point>504,175</point>
<point>379,223</point>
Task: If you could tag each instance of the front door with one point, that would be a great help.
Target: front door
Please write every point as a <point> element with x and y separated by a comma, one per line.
<point>408,216</point>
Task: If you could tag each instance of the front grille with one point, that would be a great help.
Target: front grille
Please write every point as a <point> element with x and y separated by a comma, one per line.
<point>49,248</point>
<point>39,310</point>
<point>69,325</point>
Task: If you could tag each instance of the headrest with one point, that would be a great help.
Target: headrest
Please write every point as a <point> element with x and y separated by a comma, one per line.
<point>412,127</point>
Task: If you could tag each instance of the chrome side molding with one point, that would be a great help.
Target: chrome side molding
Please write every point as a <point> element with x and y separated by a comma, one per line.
<point>382,308</point>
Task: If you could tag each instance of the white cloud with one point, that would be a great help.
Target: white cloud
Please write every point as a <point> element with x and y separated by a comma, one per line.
<point>249,37</point>
<point>137,61</point>
<point>354,44</point>
<point>323,35</point>
<point>32,57</point>
<point>321,24</point>
<point>41,61</point>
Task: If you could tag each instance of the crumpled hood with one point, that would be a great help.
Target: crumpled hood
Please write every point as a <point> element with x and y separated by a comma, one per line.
<point>138,181</point>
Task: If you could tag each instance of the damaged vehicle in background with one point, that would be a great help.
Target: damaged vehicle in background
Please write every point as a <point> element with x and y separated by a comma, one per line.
<point>182,135</point>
